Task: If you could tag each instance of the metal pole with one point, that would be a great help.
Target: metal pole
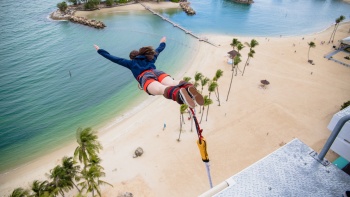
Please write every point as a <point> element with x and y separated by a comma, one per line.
<point>208,173</point>
<point>333,135</point>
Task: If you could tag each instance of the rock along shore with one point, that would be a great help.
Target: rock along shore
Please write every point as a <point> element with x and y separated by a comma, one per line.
<point>186,7</point>
<point>69,15</point>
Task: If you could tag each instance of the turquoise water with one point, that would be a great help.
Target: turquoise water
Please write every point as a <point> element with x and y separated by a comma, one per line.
<point>41,105</point>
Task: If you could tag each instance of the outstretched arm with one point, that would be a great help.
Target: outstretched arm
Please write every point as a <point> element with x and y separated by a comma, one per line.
<point>121,61</point>
<point>161,46</point>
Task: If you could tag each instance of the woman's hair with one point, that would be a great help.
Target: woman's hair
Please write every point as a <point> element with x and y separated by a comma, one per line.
<point>133,54</point>
<point>149,52</point>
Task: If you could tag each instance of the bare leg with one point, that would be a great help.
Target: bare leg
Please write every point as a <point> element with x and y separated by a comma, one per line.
<point>168,81</point>
<point>156,88</point>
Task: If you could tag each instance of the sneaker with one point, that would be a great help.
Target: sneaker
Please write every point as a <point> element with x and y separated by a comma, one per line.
<point>196,95</point>
<point>186,98</point>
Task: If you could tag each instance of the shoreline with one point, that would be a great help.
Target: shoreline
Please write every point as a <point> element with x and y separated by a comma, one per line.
<point>166,161</point>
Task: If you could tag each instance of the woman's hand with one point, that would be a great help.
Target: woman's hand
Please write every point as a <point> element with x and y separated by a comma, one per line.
<point>163,39</point>
<point>96,47</point>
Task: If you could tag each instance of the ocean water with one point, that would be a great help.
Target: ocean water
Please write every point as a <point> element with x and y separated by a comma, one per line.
<point>52,81</point>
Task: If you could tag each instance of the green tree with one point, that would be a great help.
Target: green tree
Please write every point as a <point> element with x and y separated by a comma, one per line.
<point>234,43</point>
<point>91,4</point>
<point>217,76</point>
<point>109,2</point>
<point>197,77</point>
<point>19,192</point>
<point>39,188</point>
<point>337,22</point>
<point>250,55</point>
<point>187,79</point>
<point>92,175</point>
<point>62,6</point>
<point>236,61</point>
<point>204,82</point>
<point>74,2</point>
<point>72,170</point>
<point>183,109</point>
<point>88,145</point>
<point>212,86</point>
<point>60,181</point>
<point>240,46</point>
<point>313,45</point>
<point>253,43</point>
<point>207,102</point>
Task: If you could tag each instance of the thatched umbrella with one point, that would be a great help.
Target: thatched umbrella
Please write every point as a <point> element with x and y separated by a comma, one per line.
<point>264,83</point>
<point>233,53</point>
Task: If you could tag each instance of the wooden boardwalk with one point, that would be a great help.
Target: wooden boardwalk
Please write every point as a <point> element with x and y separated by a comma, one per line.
<point>178,26</point>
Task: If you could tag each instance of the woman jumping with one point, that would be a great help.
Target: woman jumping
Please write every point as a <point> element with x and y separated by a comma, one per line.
<point>153,81</point>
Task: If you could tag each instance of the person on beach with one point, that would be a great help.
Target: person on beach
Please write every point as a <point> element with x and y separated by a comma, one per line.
<point>153,81</point>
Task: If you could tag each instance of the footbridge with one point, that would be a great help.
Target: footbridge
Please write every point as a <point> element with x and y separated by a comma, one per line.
<point>178,26</point>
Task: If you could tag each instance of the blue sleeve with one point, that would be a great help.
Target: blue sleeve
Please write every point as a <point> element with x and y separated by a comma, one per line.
<point>160,48</point>
<point>121,61</point>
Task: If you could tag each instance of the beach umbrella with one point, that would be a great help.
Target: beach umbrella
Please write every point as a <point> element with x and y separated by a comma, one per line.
<point>264,83</point>
<point>233,53</point>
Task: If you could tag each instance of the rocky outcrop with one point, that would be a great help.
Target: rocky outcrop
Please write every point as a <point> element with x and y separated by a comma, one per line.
<point>58,15</point>
<point>186,7</point>
<point>69,15</point>
<point>88,22</point>
<point>244,1</point>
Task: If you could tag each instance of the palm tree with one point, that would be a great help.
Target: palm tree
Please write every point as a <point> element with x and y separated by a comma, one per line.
<point>311,44</point>
<point>234,43</point>
<point>337,22</point>
<point>198,76</point>
<point>236,61</point>
<point>253,43</point>
<point>207,102</point>
<point>240,46</point>
<point>183,109</point>
<point>39,188</point>
<point>92,176</point>
<point>88,145</point>
<point>72,170</point>
<point>204,82</point>
<point>250,55</point>
<point>19,192</point>
<point>217,76</point>
<point>212,86</point>
<point>60,180</point>
<point>187,79</point>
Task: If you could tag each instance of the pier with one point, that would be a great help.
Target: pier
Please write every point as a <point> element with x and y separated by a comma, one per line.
<point>178,26</point>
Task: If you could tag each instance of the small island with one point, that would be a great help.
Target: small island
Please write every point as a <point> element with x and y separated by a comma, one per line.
<point>244,1</point>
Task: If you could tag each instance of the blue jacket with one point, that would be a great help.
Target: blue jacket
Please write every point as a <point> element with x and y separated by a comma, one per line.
<point>137,65</point>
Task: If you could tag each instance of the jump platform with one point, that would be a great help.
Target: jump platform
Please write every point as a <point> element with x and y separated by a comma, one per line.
<point>288,171</point>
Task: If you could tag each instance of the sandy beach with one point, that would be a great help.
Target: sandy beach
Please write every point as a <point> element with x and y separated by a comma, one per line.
<point>299,103</point>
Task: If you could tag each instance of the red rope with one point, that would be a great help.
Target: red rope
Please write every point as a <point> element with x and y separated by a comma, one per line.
<point>199,130</point>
